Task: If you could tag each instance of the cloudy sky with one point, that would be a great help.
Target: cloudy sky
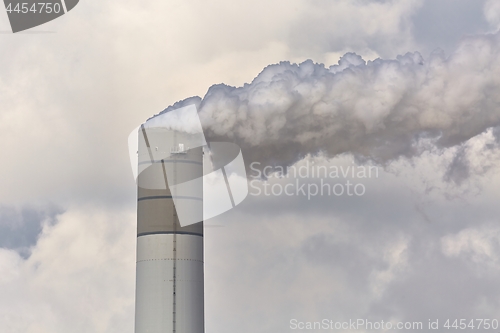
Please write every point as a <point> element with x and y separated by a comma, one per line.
<point>415,96</point>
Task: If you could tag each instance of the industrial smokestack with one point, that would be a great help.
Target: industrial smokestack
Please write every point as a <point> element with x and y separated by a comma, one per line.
<point>170,283</point>
<point>176,191</point>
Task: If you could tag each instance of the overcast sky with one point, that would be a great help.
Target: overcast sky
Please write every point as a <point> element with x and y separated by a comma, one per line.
<point>422,243</point>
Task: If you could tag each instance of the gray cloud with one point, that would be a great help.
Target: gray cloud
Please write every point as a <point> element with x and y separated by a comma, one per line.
<point>21,227</point>
<point>442,23</point>
<point>459,169</point>
<point>374,258</point>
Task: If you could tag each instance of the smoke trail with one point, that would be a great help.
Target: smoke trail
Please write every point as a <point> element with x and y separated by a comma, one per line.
<point>377,110</point>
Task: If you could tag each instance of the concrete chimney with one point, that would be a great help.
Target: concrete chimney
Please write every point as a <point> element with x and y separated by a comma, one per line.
<point>170,279</point>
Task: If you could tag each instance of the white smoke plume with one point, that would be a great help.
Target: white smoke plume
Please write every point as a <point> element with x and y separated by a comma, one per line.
<point>377,110</point>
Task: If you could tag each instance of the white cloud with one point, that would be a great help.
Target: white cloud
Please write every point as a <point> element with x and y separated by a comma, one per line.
<point>79,278</point>
<point>481,245</point>
<point>396,258</point>
<point>365,27</point>
<point>492,13</point>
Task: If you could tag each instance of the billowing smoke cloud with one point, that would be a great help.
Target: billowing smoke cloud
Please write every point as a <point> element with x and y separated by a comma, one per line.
<point>378,110</point>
